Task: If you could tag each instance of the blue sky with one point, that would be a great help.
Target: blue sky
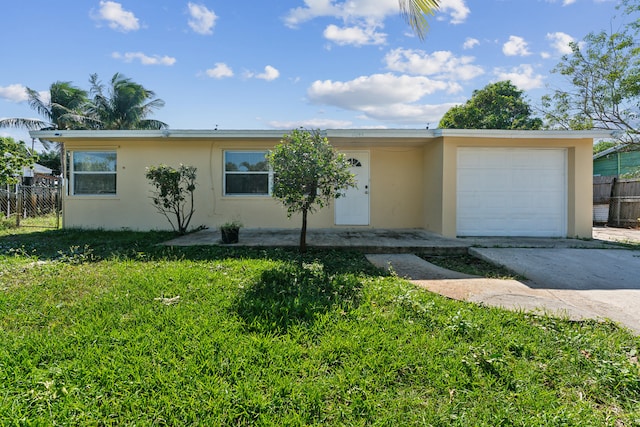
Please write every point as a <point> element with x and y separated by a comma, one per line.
<point>255,64</point>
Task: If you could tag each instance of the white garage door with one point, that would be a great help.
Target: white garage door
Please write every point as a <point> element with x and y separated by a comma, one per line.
<point>511,192</point>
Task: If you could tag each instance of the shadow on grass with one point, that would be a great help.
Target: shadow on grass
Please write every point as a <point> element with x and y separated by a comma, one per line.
<point>85,246</point>
<point>294,295</point>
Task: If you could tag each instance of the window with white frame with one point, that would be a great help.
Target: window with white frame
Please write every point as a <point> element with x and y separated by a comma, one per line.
<point>246,173</point>
<point>93,172</point>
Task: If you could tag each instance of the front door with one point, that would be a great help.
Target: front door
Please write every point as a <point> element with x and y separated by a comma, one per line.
<point>352,208</point>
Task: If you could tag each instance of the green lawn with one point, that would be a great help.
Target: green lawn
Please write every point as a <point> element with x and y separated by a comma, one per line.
<point>92,332</point>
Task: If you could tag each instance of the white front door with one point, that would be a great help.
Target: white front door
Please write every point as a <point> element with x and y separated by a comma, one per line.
<point>352,208</point>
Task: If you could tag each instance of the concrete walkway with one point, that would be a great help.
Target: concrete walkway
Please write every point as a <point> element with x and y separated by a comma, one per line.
<point>378,240</point>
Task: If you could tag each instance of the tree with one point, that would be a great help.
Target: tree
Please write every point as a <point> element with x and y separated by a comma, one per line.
<point>64,109</point>
<point>498,105</point>
<point>124,104</point>
<point>173,193</point>
<point>414,12</point>
<point>13,157</point>
<point>50,159</point>
<point>308,173</point>
<point>603,73</point>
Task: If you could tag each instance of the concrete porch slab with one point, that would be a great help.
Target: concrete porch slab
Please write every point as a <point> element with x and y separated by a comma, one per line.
<point>370,240</point>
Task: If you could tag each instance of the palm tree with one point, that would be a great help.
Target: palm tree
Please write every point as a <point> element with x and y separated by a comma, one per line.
<point>414,12</point>
<point>126,104</point>
<point>64,109</point>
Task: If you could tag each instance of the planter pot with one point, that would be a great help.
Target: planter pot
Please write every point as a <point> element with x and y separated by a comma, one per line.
<point>229,235</point>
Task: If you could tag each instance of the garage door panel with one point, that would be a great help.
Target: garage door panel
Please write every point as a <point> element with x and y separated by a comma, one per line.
<point>511,192</point>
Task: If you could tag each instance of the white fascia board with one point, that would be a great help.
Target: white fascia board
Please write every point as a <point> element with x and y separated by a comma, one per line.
<point>378,133</point>
<point>58,135</point>
<point>542,134</point>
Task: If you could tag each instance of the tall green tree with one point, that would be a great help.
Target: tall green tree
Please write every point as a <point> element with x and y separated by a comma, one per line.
<point>308,173</point>
<point>13,157</point>
<point>50,159</point>
<point>498,105</point>
<point>123,104</point>
<point>64,109</point>
<point>603,91</point>
<point>415,11</point>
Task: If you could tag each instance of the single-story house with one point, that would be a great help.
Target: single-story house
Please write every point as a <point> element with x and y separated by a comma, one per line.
<point>616,161</point>
<point>451,182</point>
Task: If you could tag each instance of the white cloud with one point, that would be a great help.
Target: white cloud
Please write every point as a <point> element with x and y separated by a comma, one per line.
<point>144,59</point>
<point>443,64</point>
<point>368,10</point>
<point>18,93</point>
<point>522,76</point>
<point>383,97</point>
<point>311,124</point>
<point>312,9</point>
<point>470,43</point>
<point>516,46</point>
<point>117,18</point>
<point>356,36</point>
<point>270,73</point>
<point>375,90</point>
<point>560,42</point>
<point>568,2</point>
<point>14,93</point>
<point>221,70</point>
<point>422,114</point>
<point>456,9</point>
<point>202,19</point>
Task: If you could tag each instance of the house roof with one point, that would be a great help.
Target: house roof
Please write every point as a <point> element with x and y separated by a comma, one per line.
<point>37,168</point>
<point>248,134</point>
<point>608,151</point>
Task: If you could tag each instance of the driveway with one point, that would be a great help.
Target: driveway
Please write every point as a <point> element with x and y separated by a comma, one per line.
<point>600,283</point>
<point>573,283</point>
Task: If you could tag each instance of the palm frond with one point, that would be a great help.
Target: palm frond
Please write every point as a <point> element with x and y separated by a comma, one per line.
<point>29,124</point>
<point>415,11</point>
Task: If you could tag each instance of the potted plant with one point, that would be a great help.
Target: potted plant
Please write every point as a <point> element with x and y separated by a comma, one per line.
<point>230,231</point>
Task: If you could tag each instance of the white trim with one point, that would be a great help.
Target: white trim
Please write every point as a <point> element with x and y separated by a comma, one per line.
<point>268,172</point>
<point>65,135</point>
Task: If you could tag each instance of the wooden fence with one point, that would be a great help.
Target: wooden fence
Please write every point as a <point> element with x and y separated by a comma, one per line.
<point>616,202</point>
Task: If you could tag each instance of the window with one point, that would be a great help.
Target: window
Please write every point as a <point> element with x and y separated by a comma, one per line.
<point>93,172</point>
<point>246,173</point>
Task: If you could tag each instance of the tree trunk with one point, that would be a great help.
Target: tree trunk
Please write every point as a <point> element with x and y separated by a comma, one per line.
<point>303,233</point>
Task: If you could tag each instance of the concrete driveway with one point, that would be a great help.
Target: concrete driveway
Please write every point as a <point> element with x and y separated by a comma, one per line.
<point>577,283</point>
<point>593,283</point>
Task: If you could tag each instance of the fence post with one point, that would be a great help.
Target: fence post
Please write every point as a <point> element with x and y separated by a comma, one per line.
<point>18,204</point>
<point>58,203</point>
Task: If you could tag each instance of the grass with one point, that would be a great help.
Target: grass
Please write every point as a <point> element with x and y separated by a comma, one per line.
<point>107,328</point>
<point>469,264</point>
<point>40,222</point>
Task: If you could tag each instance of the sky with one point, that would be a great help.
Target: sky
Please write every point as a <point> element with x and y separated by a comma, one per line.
<point>283,64</point>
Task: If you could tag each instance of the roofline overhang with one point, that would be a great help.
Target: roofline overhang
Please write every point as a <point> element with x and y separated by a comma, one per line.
<point>373,134</point>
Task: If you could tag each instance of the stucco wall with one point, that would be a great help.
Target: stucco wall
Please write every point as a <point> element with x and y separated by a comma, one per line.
<point>396,187</point>
<point>579,181</point>
<point>412,183</point>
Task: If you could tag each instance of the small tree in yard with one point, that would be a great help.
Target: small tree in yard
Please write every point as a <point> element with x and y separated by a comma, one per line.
<point>173,193</point>
<point>308,173</point>
<point>13,157</point>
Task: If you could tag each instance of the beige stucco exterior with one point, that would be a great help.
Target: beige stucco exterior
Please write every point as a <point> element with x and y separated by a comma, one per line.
<point>412,176</point>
